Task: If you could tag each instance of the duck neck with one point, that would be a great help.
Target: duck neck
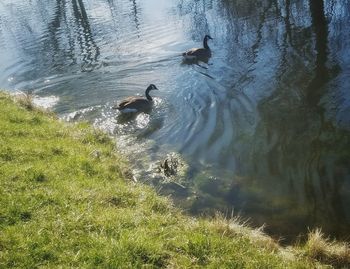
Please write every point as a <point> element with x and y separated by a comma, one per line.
<point>148,96</point>
<point>205,43</point>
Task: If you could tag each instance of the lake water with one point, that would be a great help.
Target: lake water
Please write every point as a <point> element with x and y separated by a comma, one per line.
<point>264,126</point>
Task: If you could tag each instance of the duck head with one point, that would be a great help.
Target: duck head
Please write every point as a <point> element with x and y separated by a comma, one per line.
<point>205,42</point>
<point>152,87</point>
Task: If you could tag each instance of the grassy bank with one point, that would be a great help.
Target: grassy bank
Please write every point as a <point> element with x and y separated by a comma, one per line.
<point>65,201</point>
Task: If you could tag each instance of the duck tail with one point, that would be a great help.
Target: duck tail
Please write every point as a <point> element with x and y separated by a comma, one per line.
<point>116,107</point>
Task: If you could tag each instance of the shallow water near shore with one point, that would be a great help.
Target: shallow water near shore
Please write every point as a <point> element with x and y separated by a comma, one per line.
<point>264,126</point>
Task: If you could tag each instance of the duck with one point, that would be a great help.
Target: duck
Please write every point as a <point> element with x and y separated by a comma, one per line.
<point>134,104</point>
<point>199,54</point>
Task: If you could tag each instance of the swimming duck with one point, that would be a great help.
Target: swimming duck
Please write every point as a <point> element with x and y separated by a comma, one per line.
<point>134,104</point>
<point>199,54</point>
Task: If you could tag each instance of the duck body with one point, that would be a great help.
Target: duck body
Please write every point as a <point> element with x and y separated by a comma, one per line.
<point>199,54</point>
<point>134,104</point>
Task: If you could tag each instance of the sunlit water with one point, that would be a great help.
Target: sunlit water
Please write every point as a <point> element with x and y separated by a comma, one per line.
<point>264,126</point>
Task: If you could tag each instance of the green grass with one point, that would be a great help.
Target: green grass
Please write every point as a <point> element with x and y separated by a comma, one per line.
<point>64,203</point>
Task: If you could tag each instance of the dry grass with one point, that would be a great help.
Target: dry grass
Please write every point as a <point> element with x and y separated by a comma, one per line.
<point>25,100</point>
<point>324,250</point>
<point>236,226</point>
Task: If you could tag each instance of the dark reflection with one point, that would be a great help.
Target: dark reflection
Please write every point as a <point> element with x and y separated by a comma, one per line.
<point>135,14</point>
<point>263,15</point>
<point>66,27</point>
<point>321,76</point>
<point>89,49</point>
<point>55,24</point>
<point>63,37</point>
<point>63,34</point>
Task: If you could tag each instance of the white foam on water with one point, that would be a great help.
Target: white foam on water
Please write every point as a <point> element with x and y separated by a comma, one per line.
<point>46,102</point>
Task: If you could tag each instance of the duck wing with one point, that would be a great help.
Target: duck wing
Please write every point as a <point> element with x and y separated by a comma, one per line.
<point>191,52</point>
<point>198,53</point>
<point>126,101</point>
<point>134,102</point>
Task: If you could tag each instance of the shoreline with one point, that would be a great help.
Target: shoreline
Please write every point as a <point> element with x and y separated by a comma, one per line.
<point>66,201</point>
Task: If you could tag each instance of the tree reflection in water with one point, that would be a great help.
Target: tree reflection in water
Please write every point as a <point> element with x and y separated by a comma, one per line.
<point>296,172</point>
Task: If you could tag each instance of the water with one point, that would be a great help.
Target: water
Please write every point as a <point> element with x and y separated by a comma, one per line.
<point>264,126</point>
